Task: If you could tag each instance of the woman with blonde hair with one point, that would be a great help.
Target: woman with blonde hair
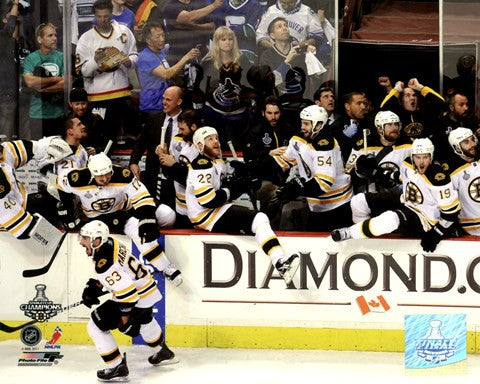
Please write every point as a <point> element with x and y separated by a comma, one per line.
<point>225,76</point>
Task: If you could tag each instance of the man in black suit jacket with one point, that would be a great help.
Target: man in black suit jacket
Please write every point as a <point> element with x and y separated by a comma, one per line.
<point>148,141</point>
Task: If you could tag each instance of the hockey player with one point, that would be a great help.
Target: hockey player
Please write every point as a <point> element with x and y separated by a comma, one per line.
<point>322,178</point>
<point>466,177</point>
<point>209,203</point>
<point>112,194</point>
<point>134,294</point>
<point>428,205</point>
<point>384,156</point>
<point>175,164</point>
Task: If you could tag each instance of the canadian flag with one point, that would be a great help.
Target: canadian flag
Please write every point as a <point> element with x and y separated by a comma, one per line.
<point>379,304</point>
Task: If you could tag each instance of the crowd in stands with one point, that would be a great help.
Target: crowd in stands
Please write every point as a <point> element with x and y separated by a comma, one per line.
<point>147,74</point>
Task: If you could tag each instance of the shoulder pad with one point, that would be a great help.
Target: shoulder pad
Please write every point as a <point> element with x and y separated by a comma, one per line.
<point>202,162</point>
<point>5,186</point>
<point>121,175</point>
<point>324,143</point>
<point>104,257</point>
<point>79,177</point>
<point>436,175</point>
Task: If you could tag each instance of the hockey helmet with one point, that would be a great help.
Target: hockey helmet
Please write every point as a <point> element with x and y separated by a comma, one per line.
<point>200,135</point>
<point>95,229</point>
<point>385,117</point>
<point>422,147</point>
<point>317,115</point>
<point>457,136</point>
<point>99,164</point>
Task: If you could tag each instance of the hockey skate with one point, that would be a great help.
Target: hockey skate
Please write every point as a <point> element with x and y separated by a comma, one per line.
<point>341,234</point>
<point>173,274</point>
<point>163,357</point>
<point>119,373</point>
<point>287,267</point>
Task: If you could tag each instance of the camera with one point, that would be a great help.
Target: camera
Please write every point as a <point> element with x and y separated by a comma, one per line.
<point>301,48</point>
<point>199,46</point>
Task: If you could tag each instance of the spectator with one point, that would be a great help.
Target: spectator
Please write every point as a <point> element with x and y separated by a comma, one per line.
<point>304,26</point>
<point>95,141</point>
<point>243,16</point>
<point>43,73</point>
<point>288,65</point>
<point>154,71</point>
<point>189,24</point>
<point>9,72</point>
<point>122,15</point>
<point>144,11</point>
<point>225,73</point>
<point>149,139</point>
<point>108,88</point>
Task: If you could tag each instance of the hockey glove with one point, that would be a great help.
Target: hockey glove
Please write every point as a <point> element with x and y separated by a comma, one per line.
<point>130,328</point>
<point>350,130</point>
<point>431,238</point>
<point>68,219</point>
<point>148,230</point>
<point>290,190</point>
<point>91,293</point>
<point>387,178</point>
<point>236,187</point>
<point>365,166</point>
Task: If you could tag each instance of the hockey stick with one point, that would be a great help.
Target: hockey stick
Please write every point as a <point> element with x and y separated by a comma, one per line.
<point>6,328</point>
<point>44,269</point>
<point>107,147</point>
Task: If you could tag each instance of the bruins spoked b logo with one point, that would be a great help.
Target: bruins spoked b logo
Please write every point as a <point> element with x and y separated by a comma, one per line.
<point>474,190</point>
<point>413,193</point>
<point>103,205</point>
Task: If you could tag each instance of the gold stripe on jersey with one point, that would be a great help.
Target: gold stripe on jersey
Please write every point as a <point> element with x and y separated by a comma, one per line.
<point>17,149</point>
<point>453,207</point>
<point>127,295</point>
<point>111,356</point>
<point>335,196</point>
<point>424,219</point>
<point>21,220</point>
<point>470,224</point>
<point>284,161</point>
<point>205,218</point>
<point>153,253</point>
<point>325,181</point>
<point>147,289</point>
<point>460,169</point>
<point>205,194</point>
<point>142,199</point>
<point>180,200</point>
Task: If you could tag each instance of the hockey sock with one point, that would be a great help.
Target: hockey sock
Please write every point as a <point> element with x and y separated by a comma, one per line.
<point>387,222</point>
<point>152,335</point>
<point>106,345</point>
<point>266,238</point>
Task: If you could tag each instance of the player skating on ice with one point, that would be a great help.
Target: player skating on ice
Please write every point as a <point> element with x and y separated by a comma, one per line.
<point>130,310</point>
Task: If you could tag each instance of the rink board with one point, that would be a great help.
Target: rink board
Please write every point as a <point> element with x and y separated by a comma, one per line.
<point>347,296</point>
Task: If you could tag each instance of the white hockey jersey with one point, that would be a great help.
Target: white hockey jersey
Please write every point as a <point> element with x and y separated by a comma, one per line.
<point>125,276</point>
<point>105,85</point>
<point>122,193</point>
<point>428,195</point>
<point>13,197</point>
<point>320,160</point>
<point>204,179</point>
<point>466,181</point>
<point>183,152</point>
<point>387,157</point>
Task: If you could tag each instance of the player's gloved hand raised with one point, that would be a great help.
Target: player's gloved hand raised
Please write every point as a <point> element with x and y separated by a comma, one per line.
<point>148,230</point>
<point>431,238</point>
<point>290,190</point>
<point>91,293</point>
<point>365,166</point>
<point>350,130</point>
